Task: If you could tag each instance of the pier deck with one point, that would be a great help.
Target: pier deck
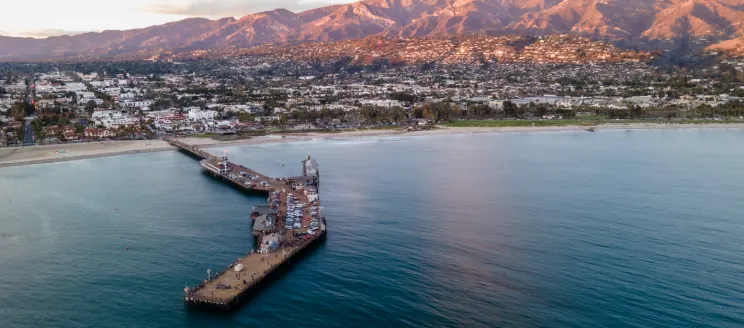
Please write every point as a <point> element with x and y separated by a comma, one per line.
<point>256,267</point>
<point>228,288</point>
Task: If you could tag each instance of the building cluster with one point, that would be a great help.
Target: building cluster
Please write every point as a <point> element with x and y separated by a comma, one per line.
<point>473,49</point>
<point>254,92</point>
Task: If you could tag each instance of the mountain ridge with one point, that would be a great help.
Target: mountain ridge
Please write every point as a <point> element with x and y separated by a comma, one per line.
<point>710,21</point>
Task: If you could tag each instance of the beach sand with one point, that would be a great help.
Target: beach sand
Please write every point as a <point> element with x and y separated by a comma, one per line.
<point>68,152</point>
<point>50,153</point>
<point>206,142</point>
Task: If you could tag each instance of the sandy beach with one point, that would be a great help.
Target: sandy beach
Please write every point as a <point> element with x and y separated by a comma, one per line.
<point>206,142</point>
<point>68,152</point>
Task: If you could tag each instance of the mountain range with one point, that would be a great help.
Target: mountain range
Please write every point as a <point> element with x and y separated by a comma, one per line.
<point>639,21</point>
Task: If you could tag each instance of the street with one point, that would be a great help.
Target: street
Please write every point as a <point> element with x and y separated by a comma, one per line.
<point>29,133</point>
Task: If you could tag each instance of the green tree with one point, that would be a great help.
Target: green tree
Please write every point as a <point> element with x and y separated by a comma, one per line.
<point>427,111</point>
<point>71,95</point>
<point>510,109</point>
<point>541,110</point>
<point>20,109</point>
<point>21,132</point>
<point>635,111</point>
<point>90,107</point>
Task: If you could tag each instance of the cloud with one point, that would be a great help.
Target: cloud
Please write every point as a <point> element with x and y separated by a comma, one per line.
<point>47,33</point>
<point>234,8</point>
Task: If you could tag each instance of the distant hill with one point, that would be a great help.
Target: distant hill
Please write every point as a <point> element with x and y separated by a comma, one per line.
<point>472,49</point>
<point>634,21</point>
<point>727,45</point>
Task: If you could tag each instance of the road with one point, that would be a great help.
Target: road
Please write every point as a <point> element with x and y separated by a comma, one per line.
<point>29,133</point>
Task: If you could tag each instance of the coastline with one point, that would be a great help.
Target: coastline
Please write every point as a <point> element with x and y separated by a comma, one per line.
<point>443,130</point>
<point>19,156</point>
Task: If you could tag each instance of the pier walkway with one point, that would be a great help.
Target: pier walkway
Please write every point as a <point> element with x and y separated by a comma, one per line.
<point>290,198</point>
<point>189,149</point>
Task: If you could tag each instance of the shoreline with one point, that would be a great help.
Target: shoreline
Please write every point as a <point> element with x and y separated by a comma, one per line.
<point>44,154</point>
<point>443,130</point>
<point>75,158</point>
<point>21,156</point>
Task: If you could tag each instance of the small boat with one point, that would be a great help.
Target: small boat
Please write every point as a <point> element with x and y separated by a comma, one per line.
<point>591,129</point>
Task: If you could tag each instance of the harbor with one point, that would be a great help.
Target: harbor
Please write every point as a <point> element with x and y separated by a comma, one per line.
<point>286,228</point>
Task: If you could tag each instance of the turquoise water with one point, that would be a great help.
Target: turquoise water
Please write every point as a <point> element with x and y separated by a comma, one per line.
<point>569,229</point>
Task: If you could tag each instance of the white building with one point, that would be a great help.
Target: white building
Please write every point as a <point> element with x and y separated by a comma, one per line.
<point>197,114</point>
<point>76,86</point>
<point>127,95</point>
<point>112,118</point>
<point>85,95</point>
<point>137,104</point>
<point>112,91</point>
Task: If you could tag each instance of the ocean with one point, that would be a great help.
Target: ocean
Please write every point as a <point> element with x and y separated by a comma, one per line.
<point>544,229</point>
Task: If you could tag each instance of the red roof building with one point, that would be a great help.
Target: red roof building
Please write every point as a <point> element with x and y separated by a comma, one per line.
<point>98,133</point>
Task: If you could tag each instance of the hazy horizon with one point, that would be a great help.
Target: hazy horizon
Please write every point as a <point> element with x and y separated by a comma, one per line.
<point>53,18</point>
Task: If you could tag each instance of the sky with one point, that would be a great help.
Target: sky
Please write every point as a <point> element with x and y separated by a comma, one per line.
<point>43,18</point>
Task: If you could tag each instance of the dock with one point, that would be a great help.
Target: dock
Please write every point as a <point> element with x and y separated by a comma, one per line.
<point>286,228</point>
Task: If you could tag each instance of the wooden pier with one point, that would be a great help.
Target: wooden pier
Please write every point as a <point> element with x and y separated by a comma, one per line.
<point>228,288</point>
<point>190,150</point>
